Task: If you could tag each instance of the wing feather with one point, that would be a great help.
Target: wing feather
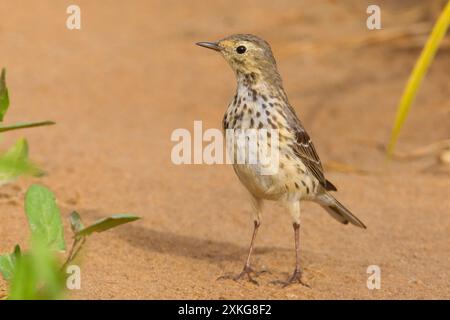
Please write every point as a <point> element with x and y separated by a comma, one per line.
<point>305,150</point>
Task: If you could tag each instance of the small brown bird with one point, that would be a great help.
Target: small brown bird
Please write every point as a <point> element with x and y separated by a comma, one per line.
<point>260,102</point>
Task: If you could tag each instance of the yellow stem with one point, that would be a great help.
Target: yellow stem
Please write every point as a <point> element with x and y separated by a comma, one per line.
<point>420,69</point>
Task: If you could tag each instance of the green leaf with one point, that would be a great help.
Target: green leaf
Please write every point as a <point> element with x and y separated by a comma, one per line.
<point>37,275</point>
<point>75,222</point>
<point>8,263</point>
<point>15,162</point>
<point>7,266</point>
<point>4,97</point>
<point>23,125</point>
<point>106,223</point>
<point>17,251</point>
<point>19,150</point>
<point>418,73</point>
<point>44,217</point>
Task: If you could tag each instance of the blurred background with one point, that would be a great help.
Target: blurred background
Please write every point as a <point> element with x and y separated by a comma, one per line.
<point>118,87</point>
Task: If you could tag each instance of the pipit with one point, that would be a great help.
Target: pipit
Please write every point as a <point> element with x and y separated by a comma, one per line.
<point>260,102</point>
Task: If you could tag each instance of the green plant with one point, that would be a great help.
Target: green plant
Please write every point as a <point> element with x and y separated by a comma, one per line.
<point>38,273</point>
<point>419,71</point>
<point>15,161</point>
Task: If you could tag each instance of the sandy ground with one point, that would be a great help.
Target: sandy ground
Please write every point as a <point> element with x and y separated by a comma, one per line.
<point>121,85</point>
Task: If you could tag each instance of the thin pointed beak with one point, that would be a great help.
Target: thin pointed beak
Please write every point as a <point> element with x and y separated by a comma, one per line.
<point>209,45</point>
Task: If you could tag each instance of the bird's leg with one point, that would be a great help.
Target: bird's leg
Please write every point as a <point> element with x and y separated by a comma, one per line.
<point>297,275</point>
<point>247,270</point>
<point>294,210</point>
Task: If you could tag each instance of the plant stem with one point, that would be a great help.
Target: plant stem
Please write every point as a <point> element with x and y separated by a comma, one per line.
<point>419,71</point>
<point>76,247</point>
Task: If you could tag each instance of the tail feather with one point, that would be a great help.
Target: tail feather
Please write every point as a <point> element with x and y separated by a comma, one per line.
<point>329,186</point>
<point>338,211</point>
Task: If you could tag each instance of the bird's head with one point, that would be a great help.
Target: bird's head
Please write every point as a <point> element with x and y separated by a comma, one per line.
<point>247,55</point>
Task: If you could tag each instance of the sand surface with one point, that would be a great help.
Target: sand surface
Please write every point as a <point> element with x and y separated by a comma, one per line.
<point>120,86</point>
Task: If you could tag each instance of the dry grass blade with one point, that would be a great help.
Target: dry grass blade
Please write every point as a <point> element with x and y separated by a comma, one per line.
<point>418,73</point>
<point>345,168</point>
<point>390,35</point>
<point>436,148</point>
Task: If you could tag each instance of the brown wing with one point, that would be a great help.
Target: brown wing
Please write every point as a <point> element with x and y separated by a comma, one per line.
<point>304,149</point>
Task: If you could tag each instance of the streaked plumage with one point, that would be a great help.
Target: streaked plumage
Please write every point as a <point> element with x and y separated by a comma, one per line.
<point>260,102</point>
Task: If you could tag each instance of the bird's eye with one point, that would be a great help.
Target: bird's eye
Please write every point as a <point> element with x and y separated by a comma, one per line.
<point>241,49</point>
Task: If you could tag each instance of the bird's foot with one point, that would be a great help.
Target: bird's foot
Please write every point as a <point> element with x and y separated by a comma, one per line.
<point>295,278</point>
<point>246,273</point>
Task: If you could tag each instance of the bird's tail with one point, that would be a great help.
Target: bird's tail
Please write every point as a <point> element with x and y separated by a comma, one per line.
<point>338,211</point>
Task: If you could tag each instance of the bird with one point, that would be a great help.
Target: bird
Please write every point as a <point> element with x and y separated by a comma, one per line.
<point>261,103</point>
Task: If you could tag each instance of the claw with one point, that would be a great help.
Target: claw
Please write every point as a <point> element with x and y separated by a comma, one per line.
<point>295,278</point>
<point>245,273</point>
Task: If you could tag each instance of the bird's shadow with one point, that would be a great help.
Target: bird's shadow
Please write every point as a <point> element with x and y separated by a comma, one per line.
<point>186,246</point>
<point>170,243</point>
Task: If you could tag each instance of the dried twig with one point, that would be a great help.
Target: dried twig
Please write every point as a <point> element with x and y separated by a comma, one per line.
<point>345,168</point>
<point>439,149</point>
